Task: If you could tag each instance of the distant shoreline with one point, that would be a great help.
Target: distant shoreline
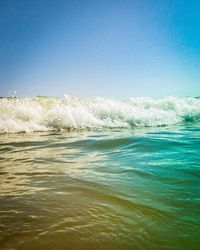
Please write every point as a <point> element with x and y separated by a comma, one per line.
<point>12,97</point>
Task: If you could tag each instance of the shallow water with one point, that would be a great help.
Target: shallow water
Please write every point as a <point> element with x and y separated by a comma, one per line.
<point>104,189</point>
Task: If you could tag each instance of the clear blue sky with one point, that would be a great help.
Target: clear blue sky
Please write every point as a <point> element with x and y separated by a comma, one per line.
<point>108,48</point>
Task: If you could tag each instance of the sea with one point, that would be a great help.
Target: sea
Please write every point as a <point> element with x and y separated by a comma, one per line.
<point>96,173</point>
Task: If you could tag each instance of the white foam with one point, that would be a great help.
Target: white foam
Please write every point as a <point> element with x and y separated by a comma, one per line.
<point>43,113</point>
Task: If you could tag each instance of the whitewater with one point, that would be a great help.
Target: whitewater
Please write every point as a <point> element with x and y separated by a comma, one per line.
<point>73,113</point>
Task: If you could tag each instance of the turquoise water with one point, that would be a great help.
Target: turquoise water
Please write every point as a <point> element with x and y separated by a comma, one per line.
<point>101,189</point>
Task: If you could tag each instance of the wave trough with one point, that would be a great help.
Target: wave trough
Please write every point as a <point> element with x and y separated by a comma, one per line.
<point>47,113</point>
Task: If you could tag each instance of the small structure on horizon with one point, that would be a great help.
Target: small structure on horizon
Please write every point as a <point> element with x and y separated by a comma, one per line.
<point>12,93</point>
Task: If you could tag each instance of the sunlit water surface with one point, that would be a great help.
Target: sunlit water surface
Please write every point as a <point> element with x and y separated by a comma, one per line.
<point>108,189</point>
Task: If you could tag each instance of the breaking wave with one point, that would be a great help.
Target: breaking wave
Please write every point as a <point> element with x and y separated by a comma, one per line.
<point>45,113</point>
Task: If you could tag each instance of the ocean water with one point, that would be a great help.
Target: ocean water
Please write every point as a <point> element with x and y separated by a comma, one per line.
<point>99,174</point>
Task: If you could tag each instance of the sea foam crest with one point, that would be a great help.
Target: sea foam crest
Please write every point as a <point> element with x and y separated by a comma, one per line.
<point>45,113</point>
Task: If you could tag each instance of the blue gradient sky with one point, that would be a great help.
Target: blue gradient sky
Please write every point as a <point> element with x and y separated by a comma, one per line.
<point>108,48</point>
